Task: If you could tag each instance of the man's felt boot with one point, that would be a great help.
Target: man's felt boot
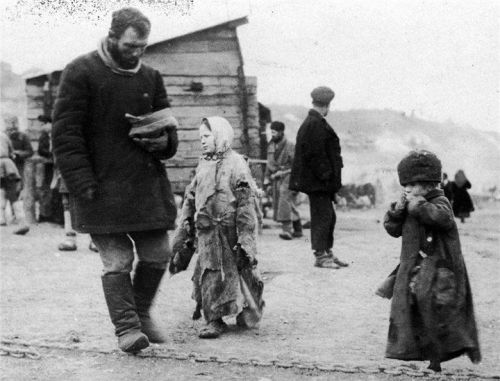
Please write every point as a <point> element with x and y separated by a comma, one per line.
<point>323,260</point>
<point>337,260</point>
<point>119,297</point>
<point>146,282</point>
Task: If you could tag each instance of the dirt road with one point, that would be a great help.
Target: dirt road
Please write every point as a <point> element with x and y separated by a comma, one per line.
<point>313,316</point>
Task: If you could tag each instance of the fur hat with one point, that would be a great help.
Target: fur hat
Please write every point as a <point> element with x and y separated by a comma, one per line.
<point>322,95</point>
<point>277,126</point>
<point>419,166</point>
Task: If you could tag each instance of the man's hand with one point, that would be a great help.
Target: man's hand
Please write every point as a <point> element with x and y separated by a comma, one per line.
<point>266,181</point>
<point>89,193</point>
<point>276,175</point>
<point>153,145</point>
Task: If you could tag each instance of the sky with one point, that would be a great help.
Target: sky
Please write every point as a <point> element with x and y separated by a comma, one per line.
<point>436,58</point>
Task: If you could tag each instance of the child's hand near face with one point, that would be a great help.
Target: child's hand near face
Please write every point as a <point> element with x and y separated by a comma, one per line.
<point>401,202</point>
<point>413,191</point>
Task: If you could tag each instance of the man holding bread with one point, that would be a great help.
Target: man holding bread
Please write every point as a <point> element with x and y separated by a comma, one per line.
<point>112,126</point>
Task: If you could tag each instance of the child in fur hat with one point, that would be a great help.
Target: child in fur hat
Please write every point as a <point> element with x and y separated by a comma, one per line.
<point>432,316</point>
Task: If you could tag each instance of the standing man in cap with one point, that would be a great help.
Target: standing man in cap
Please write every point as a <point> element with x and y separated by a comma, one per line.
<point>316,171</point>
<point>280,153</point>
<point>118,187</point>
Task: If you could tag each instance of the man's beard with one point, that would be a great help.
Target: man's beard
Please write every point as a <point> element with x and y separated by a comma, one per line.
<point>118,57</point>
<point>13,134</point>
<point>277,139</point>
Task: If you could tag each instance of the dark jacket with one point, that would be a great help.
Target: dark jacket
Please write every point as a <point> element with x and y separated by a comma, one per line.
<point>44,149</point>
<point>92,148</point>
<point>433,322</point>
<point>317,164</point>
<point>22,149</point>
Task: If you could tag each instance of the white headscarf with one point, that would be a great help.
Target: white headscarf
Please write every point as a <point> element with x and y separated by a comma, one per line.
<point>222,131</point>
<point>207,169</point>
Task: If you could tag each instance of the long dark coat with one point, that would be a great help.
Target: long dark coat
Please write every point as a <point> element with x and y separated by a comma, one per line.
<point>92,148</point>
<point>317,164</point>
<point>434,322</point>
<point>462,202</point>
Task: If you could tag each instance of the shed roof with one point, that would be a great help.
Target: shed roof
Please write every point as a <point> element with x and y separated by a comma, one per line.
<point>158,38</point>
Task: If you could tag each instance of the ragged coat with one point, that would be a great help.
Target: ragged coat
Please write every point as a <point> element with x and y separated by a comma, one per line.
<point>423,324</point>
<point>280,158</point>
<point>219,209</point>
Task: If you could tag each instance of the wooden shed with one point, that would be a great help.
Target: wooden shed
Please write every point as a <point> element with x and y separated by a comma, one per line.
<point>203,75</point>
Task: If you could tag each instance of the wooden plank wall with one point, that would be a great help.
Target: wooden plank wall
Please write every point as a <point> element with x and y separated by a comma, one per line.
<point>210,58</point>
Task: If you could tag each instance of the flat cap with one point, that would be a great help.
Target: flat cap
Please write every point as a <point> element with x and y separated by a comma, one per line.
<point>277,126</point>
<point>322,95</point>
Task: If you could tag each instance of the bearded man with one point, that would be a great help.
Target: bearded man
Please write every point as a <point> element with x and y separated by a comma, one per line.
<point>280,152</point>
<point>118,187</point>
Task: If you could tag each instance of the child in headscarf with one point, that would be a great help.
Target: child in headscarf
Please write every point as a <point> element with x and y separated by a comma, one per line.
<point>219,214</point>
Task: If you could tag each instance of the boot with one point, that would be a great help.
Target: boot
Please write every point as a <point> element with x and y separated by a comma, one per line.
<point>19,212</point>
<point>146,282</point>
<point>297,229</point>
<point>69,244</point>
<point>93,247</point>
<point>3,205</point>
<point>119,297</point>
<point>435,366</point>
<point>286,230</point>
<point>213,329</point>
<point>68,229</point>
<point>323,260</point>
<point>336,260</point>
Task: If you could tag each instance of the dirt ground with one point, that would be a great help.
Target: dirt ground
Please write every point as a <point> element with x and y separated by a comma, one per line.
<point>312,315</point>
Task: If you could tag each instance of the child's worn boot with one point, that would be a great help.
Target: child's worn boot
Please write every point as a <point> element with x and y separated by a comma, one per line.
<point>213,329</point>
<point>435,366</point>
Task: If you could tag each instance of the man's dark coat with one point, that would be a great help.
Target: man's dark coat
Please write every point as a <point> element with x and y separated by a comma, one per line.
<point>317,164</point>
<point>92,148</point>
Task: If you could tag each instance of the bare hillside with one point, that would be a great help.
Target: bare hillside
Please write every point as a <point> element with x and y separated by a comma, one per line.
<point>373,141</point>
